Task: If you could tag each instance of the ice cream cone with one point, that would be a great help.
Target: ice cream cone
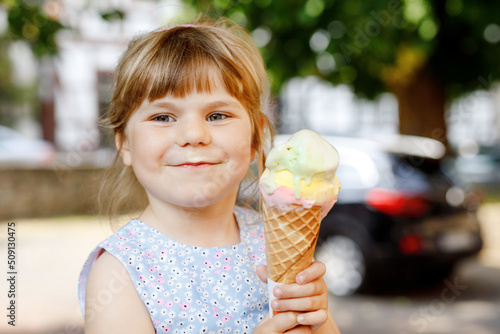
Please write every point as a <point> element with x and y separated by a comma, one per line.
<point>298,187</point>
<point>290,238</point>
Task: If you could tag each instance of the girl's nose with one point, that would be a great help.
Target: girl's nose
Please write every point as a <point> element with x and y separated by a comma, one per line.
<point>193,132</point>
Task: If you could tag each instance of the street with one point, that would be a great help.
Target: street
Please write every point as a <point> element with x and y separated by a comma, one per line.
<point>50,253</point>
<point>466,302</point>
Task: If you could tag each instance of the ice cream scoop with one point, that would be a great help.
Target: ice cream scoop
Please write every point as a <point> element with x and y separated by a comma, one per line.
<point>301,172</point>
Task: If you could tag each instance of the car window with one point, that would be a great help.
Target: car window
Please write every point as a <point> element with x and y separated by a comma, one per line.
<point>418,173</point>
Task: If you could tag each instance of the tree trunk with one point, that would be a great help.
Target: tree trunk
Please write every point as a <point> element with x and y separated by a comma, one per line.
<point>421,106</point>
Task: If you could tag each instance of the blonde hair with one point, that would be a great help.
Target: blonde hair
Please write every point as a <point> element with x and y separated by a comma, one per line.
<point>177,61</point>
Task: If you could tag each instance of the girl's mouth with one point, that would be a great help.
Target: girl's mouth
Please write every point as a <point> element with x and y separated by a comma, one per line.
<point>195,164</point>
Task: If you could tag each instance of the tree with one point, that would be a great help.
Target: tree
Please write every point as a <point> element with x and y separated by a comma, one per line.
<point>425,52</point>
<point>36,23</point>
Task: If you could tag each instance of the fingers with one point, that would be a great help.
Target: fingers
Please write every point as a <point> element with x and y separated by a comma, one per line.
<point>315,288</point>
<point>313,272</point>
<point>300,330</point>
<point>285,321</point>
<point>305,304</point>
<point>281,323</point>
<point>312,318</point>
<point>262,273</point>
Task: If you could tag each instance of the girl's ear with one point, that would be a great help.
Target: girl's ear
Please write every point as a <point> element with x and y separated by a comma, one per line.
<point>123,147</point>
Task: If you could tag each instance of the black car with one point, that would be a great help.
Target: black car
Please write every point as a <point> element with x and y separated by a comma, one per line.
<point>399,216</point>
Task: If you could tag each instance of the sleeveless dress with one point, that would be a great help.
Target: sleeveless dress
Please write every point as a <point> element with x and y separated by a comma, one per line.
<point>189,289</point>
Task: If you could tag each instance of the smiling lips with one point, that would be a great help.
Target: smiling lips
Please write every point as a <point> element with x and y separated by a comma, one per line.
<point>191,163</point>
<point>195,164</point>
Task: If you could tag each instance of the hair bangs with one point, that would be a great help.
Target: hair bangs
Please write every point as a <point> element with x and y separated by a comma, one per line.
<point>187,67</point>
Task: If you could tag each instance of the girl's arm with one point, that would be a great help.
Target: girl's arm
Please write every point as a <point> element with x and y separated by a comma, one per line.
<point>112,304</point>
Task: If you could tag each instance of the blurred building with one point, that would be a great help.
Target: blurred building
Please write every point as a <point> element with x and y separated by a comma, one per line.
<point>473,120</point>
<point>335,110</point>
<point>75,86</point>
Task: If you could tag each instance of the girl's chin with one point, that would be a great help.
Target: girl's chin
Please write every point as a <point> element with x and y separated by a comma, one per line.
<point>197,200</point>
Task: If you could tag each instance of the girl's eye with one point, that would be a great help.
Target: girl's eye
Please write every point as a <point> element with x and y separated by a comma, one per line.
<point>216,117</point>
<point>163,118</point>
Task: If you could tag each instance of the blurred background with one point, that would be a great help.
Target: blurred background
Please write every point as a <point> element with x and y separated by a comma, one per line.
<point>415,81</point>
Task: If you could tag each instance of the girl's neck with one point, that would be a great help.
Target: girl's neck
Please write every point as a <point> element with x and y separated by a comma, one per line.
<point>212,226</point>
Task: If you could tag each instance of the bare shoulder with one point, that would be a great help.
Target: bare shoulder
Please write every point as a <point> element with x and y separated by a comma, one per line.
<point>112,304</point>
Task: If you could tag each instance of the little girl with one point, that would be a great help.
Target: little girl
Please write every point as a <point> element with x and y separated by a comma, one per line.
<point>187,113</point>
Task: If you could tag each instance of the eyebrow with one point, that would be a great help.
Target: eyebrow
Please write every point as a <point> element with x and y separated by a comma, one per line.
<point>164,105</point>
<point>216,104</point>
<point>223,103</point>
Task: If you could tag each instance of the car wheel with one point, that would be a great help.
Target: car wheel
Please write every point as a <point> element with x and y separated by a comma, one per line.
<point>345,263</point>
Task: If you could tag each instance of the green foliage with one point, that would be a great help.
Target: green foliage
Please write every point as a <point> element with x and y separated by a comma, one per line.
<point>372,45</point>
<point>113,15</point>
<point>28,21</point>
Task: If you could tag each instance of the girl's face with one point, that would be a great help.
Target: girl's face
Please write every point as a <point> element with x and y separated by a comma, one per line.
<point>191,151</point>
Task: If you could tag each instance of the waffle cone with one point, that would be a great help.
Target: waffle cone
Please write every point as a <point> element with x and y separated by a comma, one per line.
<point>290,240</point>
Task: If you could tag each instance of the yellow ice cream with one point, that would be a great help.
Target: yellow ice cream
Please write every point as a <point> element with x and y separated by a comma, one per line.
<point>320,189</point>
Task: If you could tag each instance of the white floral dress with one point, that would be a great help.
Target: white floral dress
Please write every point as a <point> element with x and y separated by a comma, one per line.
<point>189,289</point>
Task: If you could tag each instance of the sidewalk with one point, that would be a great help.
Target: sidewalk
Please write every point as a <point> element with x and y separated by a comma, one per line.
<point>51,252</point>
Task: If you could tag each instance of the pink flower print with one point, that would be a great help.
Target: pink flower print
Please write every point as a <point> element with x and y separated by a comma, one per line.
<point>160,301</point>
<point>226,267</point>
<point>163,252</point>
<point>156,322</point>
<point>127,248</point>
<point>121,238</point>
<point>184,306</point>
<point>262,248</point>
<point>119,247</point>
<point>109,245</point>
<point>254,256</point>
<point>169,303</point>
<point>225,319</point>
<point>166,330</point>
<point>152,270</point>
<point>142,277</point>
<point>149,254</point>
<point>218,255</point>
<point>217,271</point>
<point>160,281</point>
<point>216,314</point>
<point>207,263</point>
<point>261,235</point>
<point>161,274</point>
<point>131,233</point>
<point>227,259</point>
<point>265,262</point>
<point>253,234</point>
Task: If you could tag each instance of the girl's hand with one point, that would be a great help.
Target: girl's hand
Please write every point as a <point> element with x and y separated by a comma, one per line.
<point>309,296</point>
<point>285,322</point>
